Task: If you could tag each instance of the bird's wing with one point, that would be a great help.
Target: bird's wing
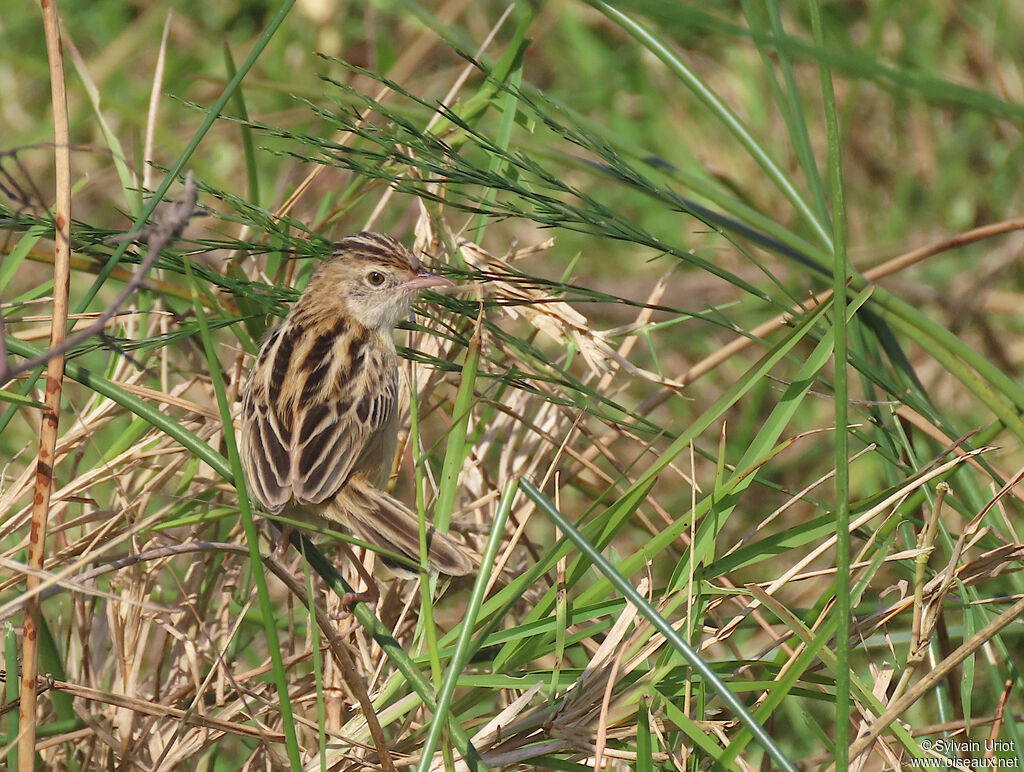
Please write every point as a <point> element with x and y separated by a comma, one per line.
<point>332,436</point>
<point>264,441</point>
<point>307,421</point>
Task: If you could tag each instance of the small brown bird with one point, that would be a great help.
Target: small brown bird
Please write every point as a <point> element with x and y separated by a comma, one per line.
<point>320,409</point>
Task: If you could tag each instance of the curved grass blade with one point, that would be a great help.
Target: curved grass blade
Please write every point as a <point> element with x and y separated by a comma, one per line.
<point>251,536</point>
<point>463,649</point>
<point>663,626</point>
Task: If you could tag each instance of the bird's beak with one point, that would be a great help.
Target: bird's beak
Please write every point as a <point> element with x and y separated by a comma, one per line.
<point>424,279</point>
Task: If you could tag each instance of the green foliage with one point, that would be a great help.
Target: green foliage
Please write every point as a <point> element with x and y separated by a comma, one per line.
<point>698,179</point>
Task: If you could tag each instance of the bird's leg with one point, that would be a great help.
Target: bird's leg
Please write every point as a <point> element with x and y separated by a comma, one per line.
<point>284,537</point>
<point>371,594</point>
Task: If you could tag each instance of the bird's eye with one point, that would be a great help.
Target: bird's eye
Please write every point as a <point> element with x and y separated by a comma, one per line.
<point>376,278</point>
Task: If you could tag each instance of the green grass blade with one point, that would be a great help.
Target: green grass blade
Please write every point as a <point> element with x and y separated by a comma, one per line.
<point>463,650</point>
<point>380,634</point>
<point>456,452</point>
<point>251,536</point>
<point>248,146</point>
<point>663,626</point>
<point>721,110</point>
<point>139,407</point>
<point>842,463</point>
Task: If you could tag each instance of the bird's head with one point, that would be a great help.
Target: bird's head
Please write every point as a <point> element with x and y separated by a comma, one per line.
<point>375,277</point>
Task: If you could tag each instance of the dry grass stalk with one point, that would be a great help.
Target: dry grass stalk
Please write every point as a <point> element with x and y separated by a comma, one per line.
<point>54,377</point>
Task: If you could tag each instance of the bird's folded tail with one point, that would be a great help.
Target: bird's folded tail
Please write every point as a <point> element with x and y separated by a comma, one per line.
<point>379,519</point>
